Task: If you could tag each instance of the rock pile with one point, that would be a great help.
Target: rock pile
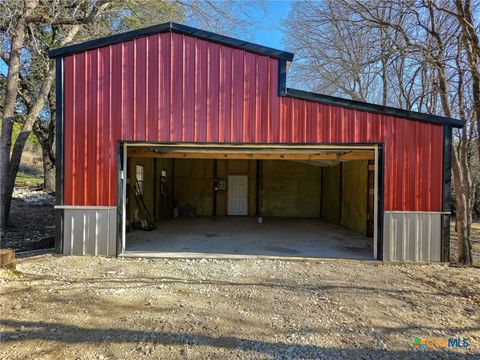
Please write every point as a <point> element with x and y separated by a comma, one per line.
<point>33,196</point>
<point>32,220</point>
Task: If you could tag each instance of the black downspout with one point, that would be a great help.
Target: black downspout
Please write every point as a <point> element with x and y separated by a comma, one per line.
<point>282,77</point>
<point>321,191</point>
<point>155,183</point>
<point>257,188</point>
<point>214,205</point>
<point>59,161</point>
<point>446,192</point>
<point>380,202</point>
<point>260,188</point>
<point>340,195</point>
<point>173,187</point>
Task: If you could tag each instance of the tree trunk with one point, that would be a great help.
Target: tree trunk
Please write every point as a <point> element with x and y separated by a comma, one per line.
<point>17,151</point>
<point>471,45</point>
<point>461,219</point>
<point>48,172</point>
<point>45,138</point>
<point>461,175</point>
<point>14,65</point>
<point>384,76</point>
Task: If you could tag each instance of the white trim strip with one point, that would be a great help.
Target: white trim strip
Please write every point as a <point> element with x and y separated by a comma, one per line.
<point>76,207</point>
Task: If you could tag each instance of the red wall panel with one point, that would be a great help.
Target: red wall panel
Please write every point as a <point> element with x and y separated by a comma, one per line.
<point>171,87</point>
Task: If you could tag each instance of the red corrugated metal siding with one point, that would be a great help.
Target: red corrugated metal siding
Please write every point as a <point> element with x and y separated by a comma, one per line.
<point>171,87</point>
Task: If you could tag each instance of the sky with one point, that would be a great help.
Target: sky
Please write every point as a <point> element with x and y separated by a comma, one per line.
<point>270,33</point>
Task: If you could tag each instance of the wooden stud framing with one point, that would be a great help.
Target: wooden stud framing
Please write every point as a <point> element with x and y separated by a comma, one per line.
<point>353,155</point>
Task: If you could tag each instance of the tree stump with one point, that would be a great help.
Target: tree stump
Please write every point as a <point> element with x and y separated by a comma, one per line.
<point>7,259</point>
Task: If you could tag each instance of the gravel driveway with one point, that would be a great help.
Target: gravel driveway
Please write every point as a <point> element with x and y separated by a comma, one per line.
<point>114,308</point>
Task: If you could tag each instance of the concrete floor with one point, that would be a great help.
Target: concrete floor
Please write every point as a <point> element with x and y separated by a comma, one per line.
<point>219,236</point>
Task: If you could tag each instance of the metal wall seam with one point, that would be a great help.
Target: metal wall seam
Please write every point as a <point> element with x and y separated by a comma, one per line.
<point>90,232</point>
<point>412,236</point>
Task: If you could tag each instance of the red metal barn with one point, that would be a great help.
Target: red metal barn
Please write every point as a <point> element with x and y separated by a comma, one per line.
<point>170,125</point>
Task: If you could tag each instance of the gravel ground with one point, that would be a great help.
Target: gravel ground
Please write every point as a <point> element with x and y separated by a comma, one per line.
<point>57,307</point>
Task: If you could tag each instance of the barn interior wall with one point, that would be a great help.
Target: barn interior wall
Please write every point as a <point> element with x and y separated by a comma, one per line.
<point>193,187</point>
<point>291,189</point>
<point>331,193</point>
<point>354,195</point>
<point>337,194</point>
<point>344,189</point>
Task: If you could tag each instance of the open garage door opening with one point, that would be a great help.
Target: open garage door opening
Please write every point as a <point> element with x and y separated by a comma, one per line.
<point>209,201</point>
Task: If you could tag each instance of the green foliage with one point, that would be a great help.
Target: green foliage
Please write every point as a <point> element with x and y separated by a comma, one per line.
<point>125,15</point>
<point>30,180</point>
<point>142,13</point>
<point>32,142</point>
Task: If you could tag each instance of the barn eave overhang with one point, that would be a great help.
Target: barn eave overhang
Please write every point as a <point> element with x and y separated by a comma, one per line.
<point>177,28</point>
<point>372,108</point>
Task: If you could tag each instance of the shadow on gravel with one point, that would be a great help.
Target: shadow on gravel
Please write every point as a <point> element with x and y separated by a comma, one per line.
<point>69,334</point>
<point>140,282</point>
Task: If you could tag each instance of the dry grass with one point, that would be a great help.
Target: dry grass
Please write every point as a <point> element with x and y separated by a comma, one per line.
<point>29,180</point>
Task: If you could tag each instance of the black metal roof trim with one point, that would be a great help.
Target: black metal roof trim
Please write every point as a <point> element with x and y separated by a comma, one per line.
<point>282,77</point>
<point>178,28</point>
<point>374,108</point>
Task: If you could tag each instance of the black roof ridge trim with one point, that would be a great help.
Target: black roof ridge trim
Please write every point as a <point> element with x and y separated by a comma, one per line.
<point>174,27</point>
<point>373,108</point>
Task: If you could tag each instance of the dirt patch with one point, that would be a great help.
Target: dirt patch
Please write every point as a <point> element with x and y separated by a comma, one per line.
<point>32,218</point>
<point>114,308</point>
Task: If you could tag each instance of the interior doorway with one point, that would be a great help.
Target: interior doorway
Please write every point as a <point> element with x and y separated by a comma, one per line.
<point>237,195</point>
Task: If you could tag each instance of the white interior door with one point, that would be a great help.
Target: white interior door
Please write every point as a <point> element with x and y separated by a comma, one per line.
<point>237,195</point>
